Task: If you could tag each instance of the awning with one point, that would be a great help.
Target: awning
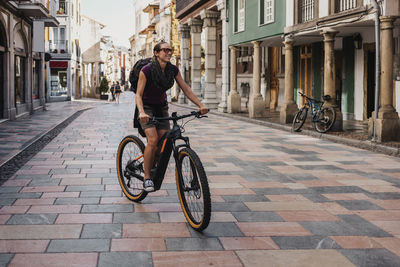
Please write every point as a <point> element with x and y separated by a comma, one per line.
<point>59,64</point>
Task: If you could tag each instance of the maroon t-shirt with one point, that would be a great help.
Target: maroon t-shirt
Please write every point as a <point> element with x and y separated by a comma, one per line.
<point>152,94</point>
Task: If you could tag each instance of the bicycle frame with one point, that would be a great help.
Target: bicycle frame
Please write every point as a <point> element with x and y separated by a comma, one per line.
<point>313,106</point>
<point>168,145</point>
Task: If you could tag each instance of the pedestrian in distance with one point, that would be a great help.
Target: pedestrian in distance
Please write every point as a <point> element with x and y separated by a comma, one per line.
<point>112,89</point>
<point>117,92</point>
<point>151,100</point>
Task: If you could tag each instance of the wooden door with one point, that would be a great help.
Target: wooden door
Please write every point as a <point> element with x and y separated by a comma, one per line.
<point>274,81</point>
<point>306,70</point>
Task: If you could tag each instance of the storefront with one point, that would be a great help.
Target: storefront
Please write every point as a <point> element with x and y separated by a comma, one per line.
<point>58,87</point>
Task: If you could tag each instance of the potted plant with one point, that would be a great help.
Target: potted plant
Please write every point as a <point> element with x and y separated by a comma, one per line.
<point>103,88</point>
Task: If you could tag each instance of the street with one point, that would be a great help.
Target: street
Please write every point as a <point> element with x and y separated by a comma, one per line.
<point>278,199</point>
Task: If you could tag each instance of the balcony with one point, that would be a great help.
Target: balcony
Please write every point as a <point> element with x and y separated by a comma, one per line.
<point>184,7</point>
<point>33,8</point>
<point>58,49</point>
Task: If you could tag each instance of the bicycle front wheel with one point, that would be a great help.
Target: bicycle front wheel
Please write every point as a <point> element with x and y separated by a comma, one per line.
<point>326,119</point>
<point>193,190</point>
<point>130,167</point>
<point>299,119</point>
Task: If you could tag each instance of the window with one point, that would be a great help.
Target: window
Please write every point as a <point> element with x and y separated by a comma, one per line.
<point>307,10</point>
<point>342,5</point>
<point>239,15</point>
<point>266,11</point>
<point>62,7</point>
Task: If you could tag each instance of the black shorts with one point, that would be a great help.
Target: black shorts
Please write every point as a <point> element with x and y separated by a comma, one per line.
<point>150,111</point>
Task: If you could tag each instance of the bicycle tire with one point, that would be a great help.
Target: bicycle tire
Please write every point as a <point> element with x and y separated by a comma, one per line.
<point>192,175</point>
<point>299,119</point>
<point>326,119</point>
<point>124,161</point>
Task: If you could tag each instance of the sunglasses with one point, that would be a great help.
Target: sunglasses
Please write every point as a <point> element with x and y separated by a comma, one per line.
<point>167,50</point>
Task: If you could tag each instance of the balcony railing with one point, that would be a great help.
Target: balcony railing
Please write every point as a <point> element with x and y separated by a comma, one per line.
<point>307,10</point>
<point>58,47</point>
<point>343,5</point>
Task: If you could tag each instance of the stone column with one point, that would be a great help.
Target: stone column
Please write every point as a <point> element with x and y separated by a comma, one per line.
<point>195,30</point>
<point>256,102</point>
<point>329,76</point>
<point>234,99</point>
<point>184,33</point>
<point>12,110</point>
<point>210,27</point>
<point>223,105</point>
<point>388,122</point>
<point>289,107</point>
<point>42,96</point>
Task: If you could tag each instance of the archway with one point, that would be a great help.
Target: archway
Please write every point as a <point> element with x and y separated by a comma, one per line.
<point>20,70</point>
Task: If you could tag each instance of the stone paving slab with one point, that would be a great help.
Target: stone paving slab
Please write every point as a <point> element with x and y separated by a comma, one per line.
<point>278,199</point>
<point>17,135</point>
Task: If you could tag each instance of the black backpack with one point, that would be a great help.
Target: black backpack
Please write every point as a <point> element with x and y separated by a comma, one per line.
<point>134,74</point>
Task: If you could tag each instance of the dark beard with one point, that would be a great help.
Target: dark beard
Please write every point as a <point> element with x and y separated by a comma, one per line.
<point>163,80</point>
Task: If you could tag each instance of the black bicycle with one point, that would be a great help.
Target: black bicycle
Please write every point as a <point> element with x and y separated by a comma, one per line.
<point>191,179</point>
<point>323,118</point>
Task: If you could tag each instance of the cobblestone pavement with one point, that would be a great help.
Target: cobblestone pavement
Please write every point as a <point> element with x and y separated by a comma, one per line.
<point>278,199</point>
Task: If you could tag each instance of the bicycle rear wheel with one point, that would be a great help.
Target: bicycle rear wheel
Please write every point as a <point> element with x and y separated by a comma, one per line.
<point>299,119</point>
<point>130,167</point>
<point>193,190</point>
<point>326,119</point>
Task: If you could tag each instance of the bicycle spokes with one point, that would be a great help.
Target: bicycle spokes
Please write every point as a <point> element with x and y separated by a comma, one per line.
<point>192,189</point>
<point>130,167</point>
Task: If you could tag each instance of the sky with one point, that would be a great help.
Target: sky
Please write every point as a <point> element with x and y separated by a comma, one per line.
<point>117,15</point>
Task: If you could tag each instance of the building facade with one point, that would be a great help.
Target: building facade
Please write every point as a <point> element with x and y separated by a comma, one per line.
<point>94,55</point>
<point>333,47</point>
<point>22,38</point>
<point>64,78</point>
<point>204,57</point>
<point>257,55</point>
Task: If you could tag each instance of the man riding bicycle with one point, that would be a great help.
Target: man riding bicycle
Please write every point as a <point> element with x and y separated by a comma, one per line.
<point>151,100</point>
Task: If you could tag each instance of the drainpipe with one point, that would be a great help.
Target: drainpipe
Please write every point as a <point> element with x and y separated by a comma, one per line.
<point>377,63</point>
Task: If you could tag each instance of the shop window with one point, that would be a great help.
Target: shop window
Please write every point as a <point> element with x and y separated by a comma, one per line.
<point>19,79</point>
<point>58,83</point>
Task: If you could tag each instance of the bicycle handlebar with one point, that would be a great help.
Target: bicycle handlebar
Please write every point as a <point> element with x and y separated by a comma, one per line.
<point>174,116</point>
<point>309,98</point>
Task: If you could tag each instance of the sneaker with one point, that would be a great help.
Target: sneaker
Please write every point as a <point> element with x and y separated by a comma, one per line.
<point>148,185</point>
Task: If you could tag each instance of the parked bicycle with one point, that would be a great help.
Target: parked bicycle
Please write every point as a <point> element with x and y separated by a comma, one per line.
<point>323,118</point>
<point>191,179</point>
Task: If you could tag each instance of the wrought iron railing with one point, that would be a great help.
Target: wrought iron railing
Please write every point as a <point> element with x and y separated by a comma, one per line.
<point>58,47</point>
